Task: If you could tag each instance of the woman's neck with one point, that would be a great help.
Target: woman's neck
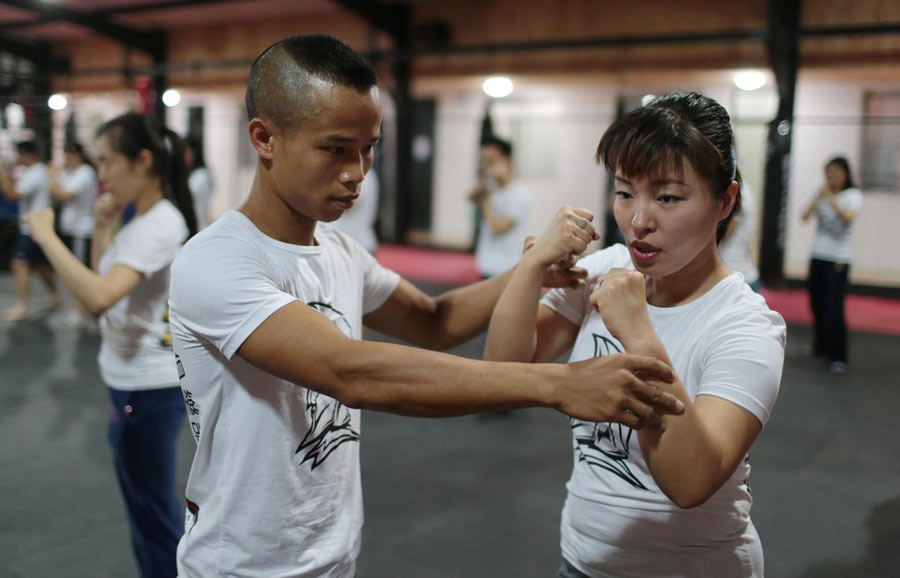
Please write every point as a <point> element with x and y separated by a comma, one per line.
<point>147,199</point>
<point>687,284</point>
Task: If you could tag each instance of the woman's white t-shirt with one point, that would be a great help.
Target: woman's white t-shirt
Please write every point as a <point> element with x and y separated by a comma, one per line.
<point>136,350</point>
<point>834,236</point>
<point>616,521</point>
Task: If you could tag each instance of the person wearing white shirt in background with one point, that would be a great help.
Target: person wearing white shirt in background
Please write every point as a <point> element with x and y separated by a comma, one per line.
<point>359,221</point>
<point>835,207</point>
<point>141,164</point>
<point>504,205</point>
<point>735,248</point>
<point>199,180</point>
<point>32,191</point>
<point>75,188</point>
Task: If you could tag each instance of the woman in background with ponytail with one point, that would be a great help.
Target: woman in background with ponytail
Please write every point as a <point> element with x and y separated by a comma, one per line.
<point>141,163</point>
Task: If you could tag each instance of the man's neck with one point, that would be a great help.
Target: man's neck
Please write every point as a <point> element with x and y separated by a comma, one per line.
<point>275,218</point>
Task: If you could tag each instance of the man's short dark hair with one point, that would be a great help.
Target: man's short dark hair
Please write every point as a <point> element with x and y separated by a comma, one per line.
<point>27,146</point>
<point>494,141</point>
<point>282,78</point>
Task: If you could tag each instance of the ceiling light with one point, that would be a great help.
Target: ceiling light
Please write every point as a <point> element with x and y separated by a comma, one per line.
<point>749,79</point>
<point>171,97</point>
<point>57,102</point>
<point>497,86</point>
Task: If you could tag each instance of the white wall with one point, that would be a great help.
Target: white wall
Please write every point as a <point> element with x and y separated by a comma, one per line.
<point>828,124</point>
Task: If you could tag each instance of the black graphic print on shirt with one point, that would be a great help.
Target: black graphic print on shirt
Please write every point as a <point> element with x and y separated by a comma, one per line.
<point>605,445</point>
<point>331,423</point>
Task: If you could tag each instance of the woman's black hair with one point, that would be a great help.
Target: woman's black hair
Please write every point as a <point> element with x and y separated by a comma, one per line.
<point>196,146</point>
<point>131,133</point>
<point>841,162</point>
<point>75,147</point>
<point>672,128</point>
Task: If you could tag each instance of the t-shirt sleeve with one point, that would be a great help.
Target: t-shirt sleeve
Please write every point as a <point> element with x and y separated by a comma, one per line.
<point>852,200</point>
<point>81,182</point>
<point>570,303</point>
<point>31,183</point>
<point>378,282</point>
<point>150,244</point>
<point>516,205</point>
<point>744,361</point>
<point>574,304</point>
<point>222,303</point>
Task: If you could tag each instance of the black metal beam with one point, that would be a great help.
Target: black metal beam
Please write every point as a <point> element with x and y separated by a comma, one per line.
<point>116,10</point>
<point>392,18</point>
<point>25,48</point>
<point>144,41</point>
<point>783,45</point>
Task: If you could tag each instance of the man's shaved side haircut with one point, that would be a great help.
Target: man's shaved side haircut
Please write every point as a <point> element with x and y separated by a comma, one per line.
<point>280,87</point>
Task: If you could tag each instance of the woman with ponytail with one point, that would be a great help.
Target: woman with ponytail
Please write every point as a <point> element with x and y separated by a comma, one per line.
<point>141,163</point>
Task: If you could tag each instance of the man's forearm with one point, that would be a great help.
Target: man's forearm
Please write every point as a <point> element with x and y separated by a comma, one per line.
<point>416,382</point>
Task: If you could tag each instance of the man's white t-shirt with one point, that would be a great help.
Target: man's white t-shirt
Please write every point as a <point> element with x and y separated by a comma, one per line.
<point>77,216</point>
<point>34,186</point>
<point>135,350</point>
<point>274,488</point>
<point>616,520</point>
<point>833,236</point>
<point>494,254</point>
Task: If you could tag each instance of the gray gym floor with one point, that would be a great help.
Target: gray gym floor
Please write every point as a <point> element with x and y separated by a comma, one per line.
<point>476,496</point>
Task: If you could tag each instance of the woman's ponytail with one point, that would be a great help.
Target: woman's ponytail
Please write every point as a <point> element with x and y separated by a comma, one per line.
<point>178,189</point>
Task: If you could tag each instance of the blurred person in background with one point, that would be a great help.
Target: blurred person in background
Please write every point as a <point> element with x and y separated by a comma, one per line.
<point>359,221</point>
<point>835,207</point>
<point>735,248</point>
<point>139,163</point>
<point>504,206</point>
<point>9,230</point>
<point>75,188</point>
<point>32,191</point>
<point>199,180</point>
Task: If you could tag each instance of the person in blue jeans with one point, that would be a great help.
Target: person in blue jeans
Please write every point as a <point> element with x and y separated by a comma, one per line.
<point>142,164</point>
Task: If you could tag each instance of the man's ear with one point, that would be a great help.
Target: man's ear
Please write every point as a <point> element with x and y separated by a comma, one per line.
<point>261,137</point>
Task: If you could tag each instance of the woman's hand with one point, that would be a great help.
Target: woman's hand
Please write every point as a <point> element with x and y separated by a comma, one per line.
<point>620,297</point>
<point>41,225</point>
<point>566,237</point>
<point>106,211</point>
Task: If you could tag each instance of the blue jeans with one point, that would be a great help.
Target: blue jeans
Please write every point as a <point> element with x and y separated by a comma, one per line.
<point>143,435</point>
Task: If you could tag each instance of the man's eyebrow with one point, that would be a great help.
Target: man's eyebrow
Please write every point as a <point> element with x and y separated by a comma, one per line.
<point>337,138</point>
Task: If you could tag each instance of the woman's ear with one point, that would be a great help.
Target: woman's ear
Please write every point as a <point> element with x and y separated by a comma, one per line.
<point>145,160</point>
<point>729,200</point>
